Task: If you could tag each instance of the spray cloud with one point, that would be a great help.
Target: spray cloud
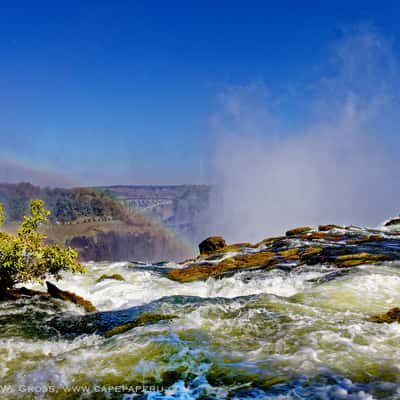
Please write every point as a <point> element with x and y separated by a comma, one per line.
<point>333,165</point>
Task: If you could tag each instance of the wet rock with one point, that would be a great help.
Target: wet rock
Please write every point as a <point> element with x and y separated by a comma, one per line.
<point>116,277</point>
<point>298,231</point>
<point>57,293</point>
<point>393,221</point>
<point>393,315</point>
<point>353,260</point>
<point>290,254</point>
<point>372,238</point>
<point>262,259</point>
<point>212,244</point>
<point>144,319</point>
<point>314,235</point>
<point>325,228</point>
<point>270,240</point>
<point>320,255</point>
<point>17,293</point>
<point>310,253</point>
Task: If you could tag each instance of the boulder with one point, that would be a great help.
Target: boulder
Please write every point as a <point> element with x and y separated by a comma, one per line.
<point>57,293</point>
<point>212,244</point>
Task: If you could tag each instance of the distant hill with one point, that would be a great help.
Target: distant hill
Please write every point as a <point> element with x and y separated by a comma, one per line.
<point>66,205</point>
<point>184,208</point>
<point>96,222</point>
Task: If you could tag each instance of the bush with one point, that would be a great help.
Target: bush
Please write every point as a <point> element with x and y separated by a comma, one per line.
<point>24,257</point>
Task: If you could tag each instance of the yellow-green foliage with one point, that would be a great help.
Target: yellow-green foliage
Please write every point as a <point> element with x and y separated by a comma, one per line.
<point>24,257</point>
<point>1,215</point>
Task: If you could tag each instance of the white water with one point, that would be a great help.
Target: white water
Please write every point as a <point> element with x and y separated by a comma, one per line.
<point>234,337</point>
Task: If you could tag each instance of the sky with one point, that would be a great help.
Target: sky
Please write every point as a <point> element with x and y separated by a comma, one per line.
<point>126,92</point>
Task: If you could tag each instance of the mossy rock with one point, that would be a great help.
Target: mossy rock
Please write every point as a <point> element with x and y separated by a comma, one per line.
<point>196,272</point>
<point>290,254</point>
<point>212,244</point>
<point>368,239</point>
<point>355,259</point>
<point>269,241</point>
<point>393,315</point>
<point>57,293</point>
<point>298,231</point>
<point>144,319</point>
<point>328,227</point>
<point>116,277</point>
<point>313,236</point>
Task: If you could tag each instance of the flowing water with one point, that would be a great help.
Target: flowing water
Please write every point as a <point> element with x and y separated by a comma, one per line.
<point>299,333</point>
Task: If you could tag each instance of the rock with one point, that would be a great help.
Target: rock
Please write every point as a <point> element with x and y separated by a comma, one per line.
<point>324,228</point>
<point>290,254</point>
<point>116,277</point>
<point>17,293</point>
<point>320,255</point>
<point>353,260</point>
<point>315,235</point>
<point>195,272</point>
<point>372,238</point>
<point>212,244</point>
<point>309,254</point>
<point>298,231</point>
<point>270,241</point>
<point>144,319</point>
<point>57,293</point>
<point>393,221</point>
<point>393,315</point>
<point>236,247</point>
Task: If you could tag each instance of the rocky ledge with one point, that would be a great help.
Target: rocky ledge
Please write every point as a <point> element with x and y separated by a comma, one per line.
<point>343,247</point>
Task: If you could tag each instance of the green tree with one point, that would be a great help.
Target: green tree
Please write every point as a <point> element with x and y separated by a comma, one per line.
<point>25,257</point>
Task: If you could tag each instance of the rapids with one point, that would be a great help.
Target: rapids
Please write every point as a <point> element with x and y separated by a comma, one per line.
<point>300,333</point>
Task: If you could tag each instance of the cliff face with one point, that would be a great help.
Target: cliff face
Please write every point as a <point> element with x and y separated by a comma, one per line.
<point>120,241</point>
<point>122,246</point>
<point>97,224</point>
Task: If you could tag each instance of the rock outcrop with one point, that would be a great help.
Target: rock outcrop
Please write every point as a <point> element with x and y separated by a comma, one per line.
<point>212,244</point>
<point>205,270</point>
<point>57,293</point>
<point>340,247</point>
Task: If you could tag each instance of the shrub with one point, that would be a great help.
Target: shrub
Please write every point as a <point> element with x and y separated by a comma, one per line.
<point>25,257</point>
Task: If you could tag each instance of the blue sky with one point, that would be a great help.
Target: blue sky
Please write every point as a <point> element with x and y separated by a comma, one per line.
<point>108,92</point>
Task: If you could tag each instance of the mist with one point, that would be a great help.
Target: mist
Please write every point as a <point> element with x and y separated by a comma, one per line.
<point>332,162</point>
<point>12,171</point>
